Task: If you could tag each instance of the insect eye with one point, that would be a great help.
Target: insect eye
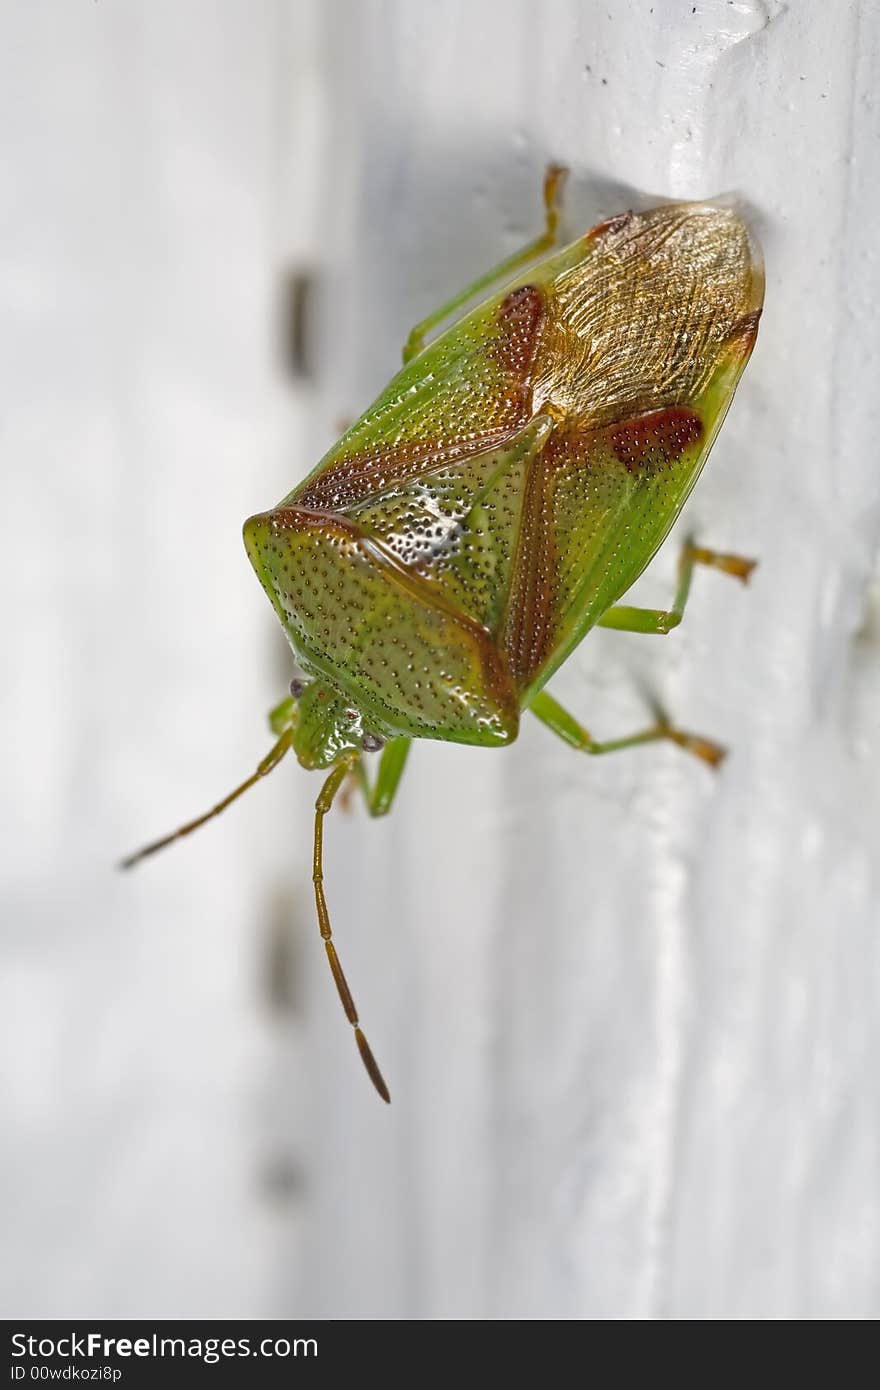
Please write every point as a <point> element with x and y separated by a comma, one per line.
<point>297,686</point>
<point>371,743</point>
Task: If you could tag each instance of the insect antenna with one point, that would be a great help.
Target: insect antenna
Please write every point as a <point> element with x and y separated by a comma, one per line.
<point>271,760</point>
<point>322,806</point>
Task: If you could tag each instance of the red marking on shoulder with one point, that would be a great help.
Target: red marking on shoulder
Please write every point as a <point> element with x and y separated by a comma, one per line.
<point>613,224</point>
<point>649,443</point>
<point>520,316</point>
<point>314,520</point>
<point>350,479</point>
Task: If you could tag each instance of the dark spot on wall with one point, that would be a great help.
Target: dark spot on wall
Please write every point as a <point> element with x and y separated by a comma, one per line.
<point>296,323</point>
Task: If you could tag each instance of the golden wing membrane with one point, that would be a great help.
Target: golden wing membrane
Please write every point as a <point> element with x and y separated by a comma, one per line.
<point>640,321</point>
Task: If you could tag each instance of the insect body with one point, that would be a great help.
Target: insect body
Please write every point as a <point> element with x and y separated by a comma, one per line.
<point>500,497</point>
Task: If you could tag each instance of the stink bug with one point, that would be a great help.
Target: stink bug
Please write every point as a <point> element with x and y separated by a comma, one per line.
<point>497,500</point>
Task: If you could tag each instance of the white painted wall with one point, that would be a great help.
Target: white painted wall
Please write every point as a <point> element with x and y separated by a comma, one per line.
<point>151,1096</point>
<point>628,1011</point>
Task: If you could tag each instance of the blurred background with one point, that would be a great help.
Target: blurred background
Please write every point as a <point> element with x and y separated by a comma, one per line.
<point>628,1010</point>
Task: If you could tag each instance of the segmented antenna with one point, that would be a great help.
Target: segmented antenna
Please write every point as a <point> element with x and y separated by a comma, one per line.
<point>322,806</point>
<point>271,760</point>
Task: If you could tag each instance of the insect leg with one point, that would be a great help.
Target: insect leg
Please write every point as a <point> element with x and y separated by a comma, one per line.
<point>271,760</point>
<point>661,621</point>
<point>322,806</point>
<point>551,713</point>
<point>380,796</point>
<point>554,180</point>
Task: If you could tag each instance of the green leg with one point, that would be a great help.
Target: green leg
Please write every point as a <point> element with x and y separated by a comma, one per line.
<point>551,713</point>
<point>661,621</point>
<point>554,179</point>
<point>379,797</point>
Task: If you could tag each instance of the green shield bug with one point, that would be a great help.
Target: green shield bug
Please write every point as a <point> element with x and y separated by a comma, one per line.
<point>499,498</point>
